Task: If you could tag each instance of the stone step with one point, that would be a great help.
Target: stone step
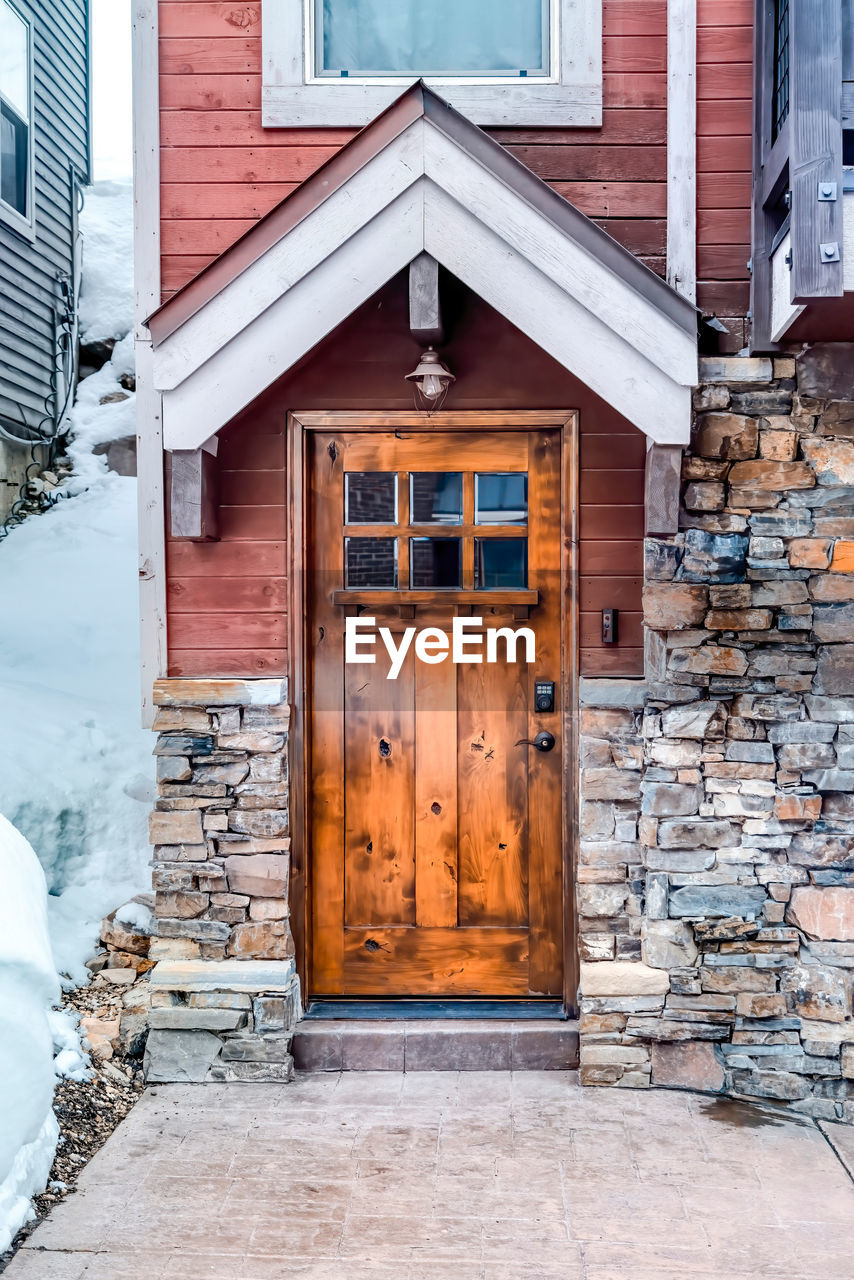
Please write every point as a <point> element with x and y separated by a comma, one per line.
<point>481,1044</point>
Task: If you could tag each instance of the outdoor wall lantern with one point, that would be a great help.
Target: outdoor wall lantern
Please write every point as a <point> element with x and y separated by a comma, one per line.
<point>431,381</point>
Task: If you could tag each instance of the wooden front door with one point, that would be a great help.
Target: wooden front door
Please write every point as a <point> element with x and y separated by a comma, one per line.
<point>435,827</point>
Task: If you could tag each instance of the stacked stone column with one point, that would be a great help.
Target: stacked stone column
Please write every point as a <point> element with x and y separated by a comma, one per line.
<point>224,993</point>
<point>718,939</point>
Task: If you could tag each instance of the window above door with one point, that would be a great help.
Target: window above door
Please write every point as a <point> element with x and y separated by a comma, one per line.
<point>500,62</point>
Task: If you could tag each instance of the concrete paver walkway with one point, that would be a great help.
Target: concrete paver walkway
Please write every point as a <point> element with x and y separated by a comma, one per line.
<point>451,1177</point>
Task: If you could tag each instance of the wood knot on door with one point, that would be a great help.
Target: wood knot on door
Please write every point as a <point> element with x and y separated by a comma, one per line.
<point>385,748</point>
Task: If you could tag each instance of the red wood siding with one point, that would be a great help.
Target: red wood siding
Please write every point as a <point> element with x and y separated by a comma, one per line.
<point>227,600</point>
<point>220,170</point>
<point>724,141</point>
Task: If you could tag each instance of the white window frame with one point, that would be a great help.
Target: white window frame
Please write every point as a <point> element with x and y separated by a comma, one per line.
<point>294,97</point>
<point>25,226</point>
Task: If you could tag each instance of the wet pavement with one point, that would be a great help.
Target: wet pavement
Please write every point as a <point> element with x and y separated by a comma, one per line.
<point>428,1176</point>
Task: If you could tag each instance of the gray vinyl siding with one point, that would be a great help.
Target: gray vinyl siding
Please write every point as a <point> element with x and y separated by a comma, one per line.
<point>28,270</point>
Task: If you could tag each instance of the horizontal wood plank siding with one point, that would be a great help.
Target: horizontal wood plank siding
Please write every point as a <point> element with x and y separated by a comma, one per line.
<point>724,160</point>
<point>227,600</point>
<point>28,270</point>
<point>220,170</point>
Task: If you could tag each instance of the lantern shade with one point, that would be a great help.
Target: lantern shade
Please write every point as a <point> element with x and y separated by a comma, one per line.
<point>430,366</point>
<point>431,380</point>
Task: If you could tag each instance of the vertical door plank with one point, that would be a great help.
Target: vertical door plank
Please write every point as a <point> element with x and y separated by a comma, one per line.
<point>545,878</point>
<point>493,854</point>
<point>326,648</point>
<point>379,730</point>
<point>436,794</point>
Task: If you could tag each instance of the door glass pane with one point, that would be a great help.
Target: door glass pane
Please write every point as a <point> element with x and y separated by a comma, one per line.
<point>14,60</point>
<point>500,563</point>
<point>501,498</point>
<point>412,38</point>
<point>435,562</point>
<point>436,497</point>
<point>370,562</point>
<point>370,497</point>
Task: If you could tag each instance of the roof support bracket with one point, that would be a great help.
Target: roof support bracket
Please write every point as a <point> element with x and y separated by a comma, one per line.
<point>663,478</point>
<point>425,306</point>
<point>194,500</point>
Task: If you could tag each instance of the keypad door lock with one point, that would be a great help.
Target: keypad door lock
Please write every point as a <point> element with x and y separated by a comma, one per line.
<point>544,695</point>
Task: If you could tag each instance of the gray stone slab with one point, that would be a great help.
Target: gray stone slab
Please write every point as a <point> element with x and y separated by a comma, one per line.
<point>223,975</point>
<point>612,693</point>
<point>183,1019</point>
<point>718,901</point>
<point>180,1056</point>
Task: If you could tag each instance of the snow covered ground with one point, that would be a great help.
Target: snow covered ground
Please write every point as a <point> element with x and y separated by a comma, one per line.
<point>75,765</point>
<point>28,988</point>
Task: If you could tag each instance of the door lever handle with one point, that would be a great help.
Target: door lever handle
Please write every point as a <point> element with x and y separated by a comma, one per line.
<point>544,741</point>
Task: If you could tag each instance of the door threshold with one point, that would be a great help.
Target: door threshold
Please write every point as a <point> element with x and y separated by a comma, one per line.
<point>426,1043</point>
<point>434,1010</point>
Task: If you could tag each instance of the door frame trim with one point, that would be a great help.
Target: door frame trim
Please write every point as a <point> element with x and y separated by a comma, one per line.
<point>299,424</point>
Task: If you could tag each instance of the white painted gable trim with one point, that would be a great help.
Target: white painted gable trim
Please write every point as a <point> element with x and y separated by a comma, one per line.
<point>424,192</point>
<point>273,343</point>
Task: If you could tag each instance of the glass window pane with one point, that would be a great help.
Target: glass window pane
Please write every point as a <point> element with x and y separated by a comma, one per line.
<point>13,160</point>
<point>500,563</point>
<point>436,497</point>
<point>14,60</point>
<point>370,562</point>
<point>435,562</point>
<point>501,498</point>
<point>411,37</point>
<point>370,497</point>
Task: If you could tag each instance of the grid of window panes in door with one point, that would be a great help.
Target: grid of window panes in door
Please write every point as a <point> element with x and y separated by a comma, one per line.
<point>14,109</point>
<point>436,530</point>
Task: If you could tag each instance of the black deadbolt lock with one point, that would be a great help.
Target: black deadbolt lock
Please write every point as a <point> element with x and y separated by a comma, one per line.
<point>544,695</point>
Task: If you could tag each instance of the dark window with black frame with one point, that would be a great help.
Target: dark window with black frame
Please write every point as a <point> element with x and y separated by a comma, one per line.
<point>15,98</point>
<point>780,105</point>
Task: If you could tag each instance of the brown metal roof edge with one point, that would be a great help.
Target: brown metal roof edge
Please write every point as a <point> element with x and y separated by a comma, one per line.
<point>296,206</point>
<point>559,211</point>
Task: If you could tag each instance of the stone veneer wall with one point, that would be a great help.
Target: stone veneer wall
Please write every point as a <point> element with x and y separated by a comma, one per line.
<point>224,993</point>
<point>715,879</point>
<point>716,862</point>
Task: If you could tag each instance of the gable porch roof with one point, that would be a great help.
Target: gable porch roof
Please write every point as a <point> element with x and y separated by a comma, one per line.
<point>422,178</point>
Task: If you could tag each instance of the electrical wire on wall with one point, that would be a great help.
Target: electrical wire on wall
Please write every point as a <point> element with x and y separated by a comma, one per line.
<point>47,438</point>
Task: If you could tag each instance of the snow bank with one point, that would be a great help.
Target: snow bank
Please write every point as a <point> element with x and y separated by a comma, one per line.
<point>106,299</point>
<point>75,765</point>
<point>28,987</point>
